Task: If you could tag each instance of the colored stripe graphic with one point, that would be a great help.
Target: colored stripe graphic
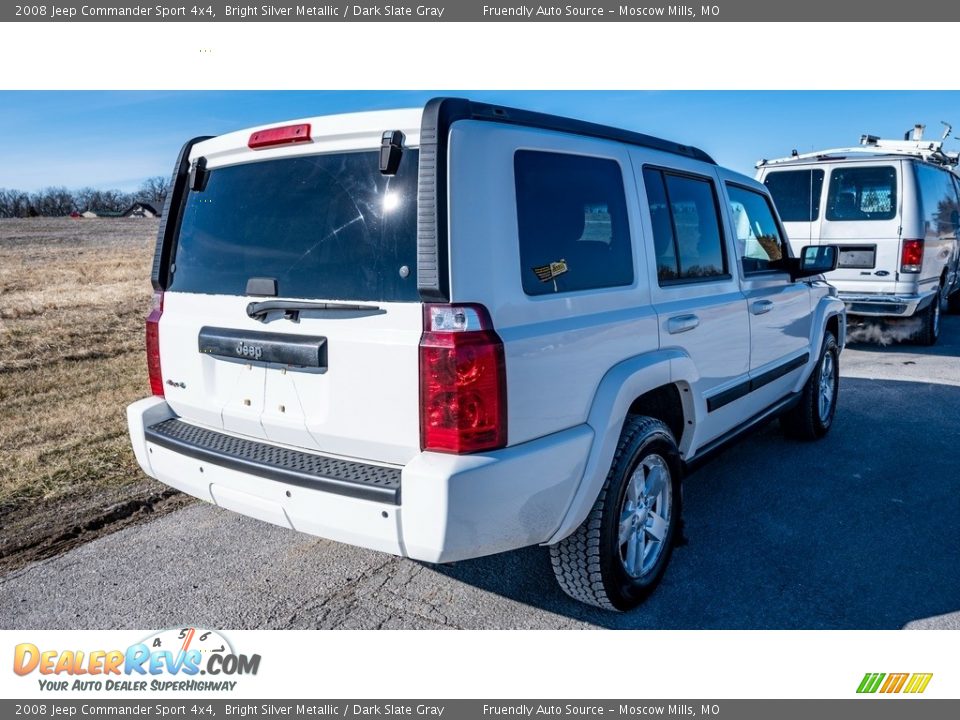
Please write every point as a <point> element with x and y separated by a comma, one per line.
<point>918,682</point>
<point>870,682</point>
<point>894,683</point>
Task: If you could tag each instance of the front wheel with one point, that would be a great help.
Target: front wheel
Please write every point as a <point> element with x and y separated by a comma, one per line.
<point>617,556</point>
<point>812,417</point>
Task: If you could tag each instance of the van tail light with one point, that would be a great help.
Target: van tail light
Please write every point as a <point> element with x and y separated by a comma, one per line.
<point>153,344</point>
<point>463,381</point>
<point>911,257</point>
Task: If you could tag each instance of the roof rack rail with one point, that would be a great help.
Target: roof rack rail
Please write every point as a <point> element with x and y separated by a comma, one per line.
<point>930,151</point>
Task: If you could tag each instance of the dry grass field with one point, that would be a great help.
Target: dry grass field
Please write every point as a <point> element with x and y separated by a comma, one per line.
<point>73,296</point>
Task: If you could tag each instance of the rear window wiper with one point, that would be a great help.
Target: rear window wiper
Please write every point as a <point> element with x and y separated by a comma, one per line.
<point>292,308</point>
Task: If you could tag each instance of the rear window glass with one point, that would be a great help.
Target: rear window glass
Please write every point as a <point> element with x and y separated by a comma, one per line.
<point>862,193</point>
<point>796,193</point>
<point>324,226</point>
<point>572,223</point>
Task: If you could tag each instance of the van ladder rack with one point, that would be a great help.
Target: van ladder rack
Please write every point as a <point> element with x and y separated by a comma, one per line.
<point>929,151</point>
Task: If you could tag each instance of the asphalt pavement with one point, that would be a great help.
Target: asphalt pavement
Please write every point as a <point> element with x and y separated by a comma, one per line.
<point>860,530</point>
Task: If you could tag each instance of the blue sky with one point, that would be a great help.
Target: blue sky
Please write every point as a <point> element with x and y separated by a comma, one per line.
<point>116,139</point>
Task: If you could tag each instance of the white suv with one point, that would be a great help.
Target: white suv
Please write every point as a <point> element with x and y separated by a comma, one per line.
<point>463,329</point>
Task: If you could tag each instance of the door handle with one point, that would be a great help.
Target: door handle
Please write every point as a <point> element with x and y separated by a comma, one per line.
<point>761,306</point>
<point>682,323</point>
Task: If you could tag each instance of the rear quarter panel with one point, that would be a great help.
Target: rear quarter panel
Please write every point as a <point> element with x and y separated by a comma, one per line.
<point>558,347</point>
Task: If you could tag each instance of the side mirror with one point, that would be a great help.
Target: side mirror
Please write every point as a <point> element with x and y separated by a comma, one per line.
<point>816,260</point>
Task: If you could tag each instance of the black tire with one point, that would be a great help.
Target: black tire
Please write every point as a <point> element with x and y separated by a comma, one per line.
<point>589,564</point>
<point>805,421</point>
<point>953,303</point>
<point>929,331</point>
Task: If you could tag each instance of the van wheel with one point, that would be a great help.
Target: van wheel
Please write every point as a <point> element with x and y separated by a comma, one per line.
<point>617,556</point>
<point>812,417</point>
<point>929,331</point>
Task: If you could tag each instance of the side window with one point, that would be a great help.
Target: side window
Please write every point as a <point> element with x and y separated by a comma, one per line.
<point>862,193</point>
<point>796,194</point>
<point>758,237</point>
<point>939,200</point>
<point>572,223</point>
<point>686,226</point>
<point>664,246</point>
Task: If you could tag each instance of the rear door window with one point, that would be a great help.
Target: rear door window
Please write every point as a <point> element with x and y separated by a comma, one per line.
<point>572,223</point>
<point>862,193</point>
<point>796,194</point>
<point>324,226</point>
<point>685,216</point>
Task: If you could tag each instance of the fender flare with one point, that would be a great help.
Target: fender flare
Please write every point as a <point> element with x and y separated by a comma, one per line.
<point>827,308</point>
<point>619,387</point>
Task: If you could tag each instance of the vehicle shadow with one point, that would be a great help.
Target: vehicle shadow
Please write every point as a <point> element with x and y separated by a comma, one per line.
<point>877,336</point>
<point>857,531</point>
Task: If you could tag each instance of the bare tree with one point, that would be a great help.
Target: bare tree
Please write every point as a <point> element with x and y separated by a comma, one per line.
<point>59,201</point>
<point>13,203</point>
<point>153,191</point>
<point>102,200</point>
<point>52,202</point>
<point>86,198</point>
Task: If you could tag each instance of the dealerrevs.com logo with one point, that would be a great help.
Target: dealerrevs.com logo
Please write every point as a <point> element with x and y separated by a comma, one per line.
<point>911,683</point>
<point>168,660</point>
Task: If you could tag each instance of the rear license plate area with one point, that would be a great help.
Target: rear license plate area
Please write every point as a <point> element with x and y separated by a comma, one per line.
<point>859,256</point>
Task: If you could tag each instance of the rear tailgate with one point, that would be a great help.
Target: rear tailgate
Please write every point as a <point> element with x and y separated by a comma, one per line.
<point>337,372</point>
<point>361,403</point>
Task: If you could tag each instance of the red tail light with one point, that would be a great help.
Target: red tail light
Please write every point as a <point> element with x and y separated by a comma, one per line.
<point>285,135</point>
<point>463,381</point>
<point>153,344</point>
<point>911,258</point>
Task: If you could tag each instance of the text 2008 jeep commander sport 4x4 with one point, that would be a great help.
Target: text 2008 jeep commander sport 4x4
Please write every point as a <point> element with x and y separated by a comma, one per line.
<point>463,329</point>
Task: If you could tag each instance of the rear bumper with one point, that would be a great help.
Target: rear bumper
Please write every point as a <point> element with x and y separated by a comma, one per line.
<point>446,508</point>
<point>886,304</point>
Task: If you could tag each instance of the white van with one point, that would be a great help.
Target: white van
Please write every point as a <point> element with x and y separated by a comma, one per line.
<point>892,207</point>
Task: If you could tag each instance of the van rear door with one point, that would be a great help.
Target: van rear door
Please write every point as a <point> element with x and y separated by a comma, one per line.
<point>798,196</point>
<point>291,312</point>
<point>862,216</point>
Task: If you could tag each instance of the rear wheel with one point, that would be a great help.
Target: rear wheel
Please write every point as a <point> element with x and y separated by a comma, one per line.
<point>617,556</point>
<point>812,417</point>
<point>929,331</point>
